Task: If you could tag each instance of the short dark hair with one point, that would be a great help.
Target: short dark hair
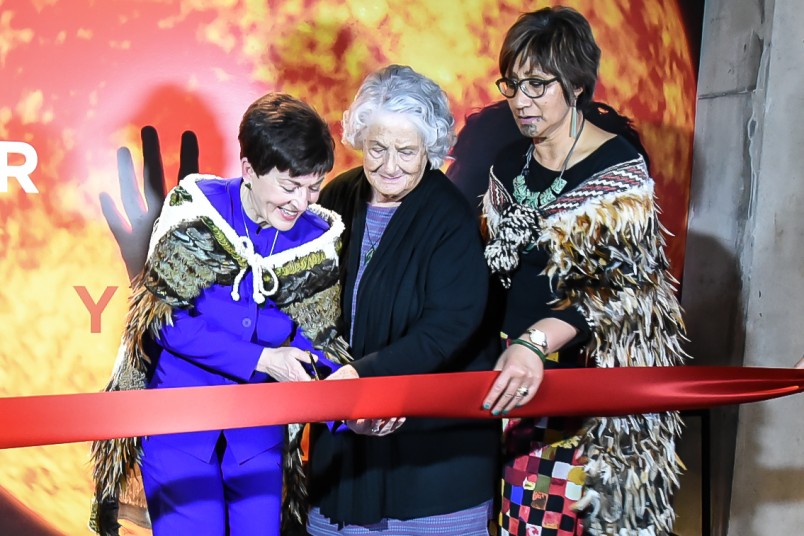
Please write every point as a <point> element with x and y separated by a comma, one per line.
<point>282,132</point>
<point>559,41</point>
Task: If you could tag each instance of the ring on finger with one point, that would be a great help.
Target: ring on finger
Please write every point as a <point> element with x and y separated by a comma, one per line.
<point>522,391</point>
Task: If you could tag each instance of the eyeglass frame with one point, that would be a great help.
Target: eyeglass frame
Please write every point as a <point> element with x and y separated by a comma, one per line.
<point>517,84</point>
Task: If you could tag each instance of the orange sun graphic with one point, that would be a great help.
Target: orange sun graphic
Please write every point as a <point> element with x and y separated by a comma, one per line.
<point>80,79</point>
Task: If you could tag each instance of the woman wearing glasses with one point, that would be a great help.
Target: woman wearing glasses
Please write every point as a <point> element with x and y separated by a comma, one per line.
<point>576,241</point>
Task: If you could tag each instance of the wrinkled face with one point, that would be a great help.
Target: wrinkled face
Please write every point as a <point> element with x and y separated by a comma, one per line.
<point>276,199</point>
<point>543,116</point>
<point>394,157</point>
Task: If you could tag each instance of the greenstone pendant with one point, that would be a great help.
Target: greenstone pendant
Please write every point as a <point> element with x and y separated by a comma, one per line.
<point>523,195</point>
<point>558,184</point>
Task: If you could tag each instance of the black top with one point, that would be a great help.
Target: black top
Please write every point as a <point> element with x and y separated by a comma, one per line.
<point>530,292</point>
<point>419,308</point>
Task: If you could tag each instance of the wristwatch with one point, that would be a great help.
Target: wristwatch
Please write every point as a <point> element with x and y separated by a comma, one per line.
<point>537,337</point>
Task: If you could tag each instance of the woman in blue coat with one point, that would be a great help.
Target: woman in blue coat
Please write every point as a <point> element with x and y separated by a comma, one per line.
<point>218,303</point>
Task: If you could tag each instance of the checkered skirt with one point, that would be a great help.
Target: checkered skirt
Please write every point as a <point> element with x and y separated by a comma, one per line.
<point>542,477</point>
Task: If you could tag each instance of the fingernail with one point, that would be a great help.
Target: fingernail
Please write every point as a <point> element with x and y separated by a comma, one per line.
<point>486,406</point>
<point>506,411</point>
<point>495,412</point>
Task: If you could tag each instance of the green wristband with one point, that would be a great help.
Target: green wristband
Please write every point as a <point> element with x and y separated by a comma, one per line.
<point>531,346</point>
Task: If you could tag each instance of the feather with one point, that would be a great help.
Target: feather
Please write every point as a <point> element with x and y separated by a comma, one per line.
<point>191,250</point>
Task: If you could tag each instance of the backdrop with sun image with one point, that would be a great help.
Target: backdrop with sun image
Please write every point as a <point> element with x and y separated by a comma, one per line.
<point>80,78</point>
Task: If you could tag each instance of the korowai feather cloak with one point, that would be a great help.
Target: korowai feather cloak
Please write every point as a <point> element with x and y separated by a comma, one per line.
<point>193,247</point>
<point>606,258</point>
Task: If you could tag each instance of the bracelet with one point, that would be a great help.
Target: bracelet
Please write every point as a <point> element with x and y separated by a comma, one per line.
<point>531,346</point>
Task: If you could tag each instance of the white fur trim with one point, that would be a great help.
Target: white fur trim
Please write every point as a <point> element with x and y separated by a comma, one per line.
<point>173,215</point>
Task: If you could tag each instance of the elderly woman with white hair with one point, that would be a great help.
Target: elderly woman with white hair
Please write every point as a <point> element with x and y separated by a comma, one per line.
<point>414,293</point>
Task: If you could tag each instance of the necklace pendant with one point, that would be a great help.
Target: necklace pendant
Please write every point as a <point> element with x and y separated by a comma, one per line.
<point>522,194</point>
<point>520,189</point>
<point>369,254</point>
<point>558,185</point>
<point>546,197</point>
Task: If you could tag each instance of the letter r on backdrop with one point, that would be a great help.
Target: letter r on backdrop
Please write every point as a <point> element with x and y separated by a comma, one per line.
<point>21,172</point>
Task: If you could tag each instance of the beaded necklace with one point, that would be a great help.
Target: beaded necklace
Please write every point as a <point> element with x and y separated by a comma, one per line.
<point>525,196</point>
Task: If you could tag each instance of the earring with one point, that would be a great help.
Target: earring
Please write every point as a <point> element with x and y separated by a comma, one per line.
<point>574,121</point>
<point>248,185</point>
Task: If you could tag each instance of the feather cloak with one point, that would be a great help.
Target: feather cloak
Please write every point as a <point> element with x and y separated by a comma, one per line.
<point>606,258</point>
<point>193,247</point>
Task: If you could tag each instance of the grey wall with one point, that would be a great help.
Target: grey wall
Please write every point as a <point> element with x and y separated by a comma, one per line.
<point>768,486</point>
<point>743,288</point>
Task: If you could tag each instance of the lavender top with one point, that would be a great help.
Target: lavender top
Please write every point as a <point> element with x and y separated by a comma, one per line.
<point>377,219</point>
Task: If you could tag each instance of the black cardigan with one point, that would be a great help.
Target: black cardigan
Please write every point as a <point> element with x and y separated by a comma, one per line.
<point>420,305</point>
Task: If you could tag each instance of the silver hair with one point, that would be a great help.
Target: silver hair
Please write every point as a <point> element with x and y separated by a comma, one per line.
<point>400,89</point>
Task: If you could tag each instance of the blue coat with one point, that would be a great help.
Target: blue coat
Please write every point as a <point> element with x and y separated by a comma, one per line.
<point>219,340</point>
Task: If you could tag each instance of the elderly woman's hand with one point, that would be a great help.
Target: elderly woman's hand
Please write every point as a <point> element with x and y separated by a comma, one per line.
<point>284,364</point>
<point>375,427</point>
<point>346,372</point>
<point>519,379</point>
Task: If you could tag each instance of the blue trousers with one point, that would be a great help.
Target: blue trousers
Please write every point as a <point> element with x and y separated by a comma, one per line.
<point>218,497</point>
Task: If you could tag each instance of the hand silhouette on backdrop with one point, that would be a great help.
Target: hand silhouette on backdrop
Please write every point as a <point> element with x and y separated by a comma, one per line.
<point>132,236</point>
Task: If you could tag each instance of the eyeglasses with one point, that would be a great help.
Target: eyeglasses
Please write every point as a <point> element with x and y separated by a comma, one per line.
<point>531,87</point>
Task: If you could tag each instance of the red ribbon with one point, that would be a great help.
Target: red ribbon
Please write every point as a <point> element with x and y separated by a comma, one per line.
<point>44,420</point>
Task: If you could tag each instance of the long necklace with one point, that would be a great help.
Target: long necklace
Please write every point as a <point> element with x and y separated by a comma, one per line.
<point>525,196</point>
<point>377,217</point>
<point>372,245</point>
<point>245,226</point>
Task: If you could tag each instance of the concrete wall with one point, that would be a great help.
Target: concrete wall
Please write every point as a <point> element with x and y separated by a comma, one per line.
<point>743,285</point>
<point>768,486</point>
